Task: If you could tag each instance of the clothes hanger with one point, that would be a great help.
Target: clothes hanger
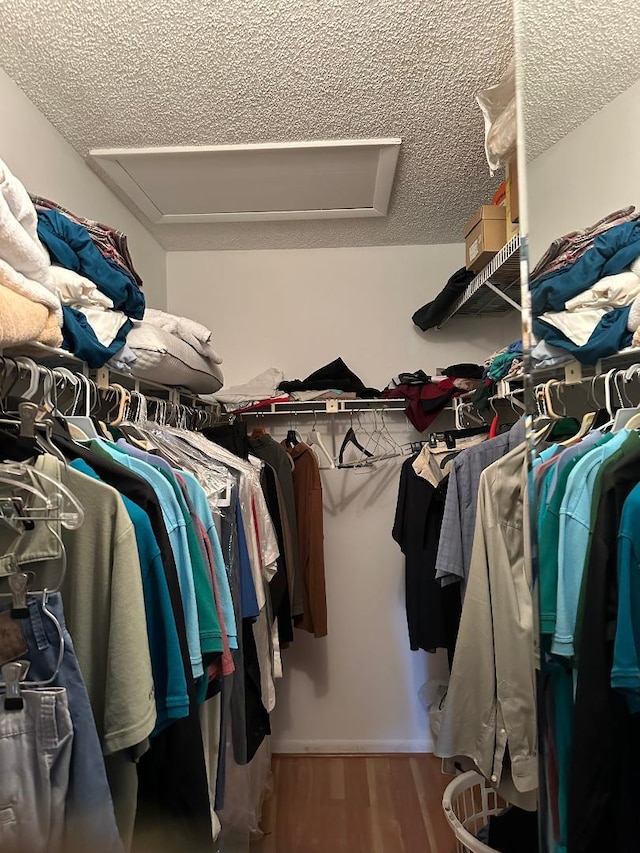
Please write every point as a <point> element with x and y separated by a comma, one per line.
<point>351,439</point>
<point>625,414</point>
<point>314,440</point>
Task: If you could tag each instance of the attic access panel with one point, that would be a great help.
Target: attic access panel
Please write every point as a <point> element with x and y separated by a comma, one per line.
<point>270,181</point>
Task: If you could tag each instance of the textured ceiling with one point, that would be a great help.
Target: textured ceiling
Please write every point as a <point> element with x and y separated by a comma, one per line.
<point>577,56</point>
<point>116,73</point>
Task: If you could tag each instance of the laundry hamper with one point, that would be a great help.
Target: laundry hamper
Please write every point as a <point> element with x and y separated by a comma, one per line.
<point>468,803</point>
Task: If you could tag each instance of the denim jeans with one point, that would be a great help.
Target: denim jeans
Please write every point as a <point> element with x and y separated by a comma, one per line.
<point>35,755</point>
<point>90,823</point>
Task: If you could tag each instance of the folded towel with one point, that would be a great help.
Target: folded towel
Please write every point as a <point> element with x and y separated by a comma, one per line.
<point>76,290</point>
<point>20,247</point>
<point>22,320</point>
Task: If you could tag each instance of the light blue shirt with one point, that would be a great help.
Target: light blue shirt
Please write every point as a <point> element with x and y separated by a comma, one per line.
<point>573,540</point>
<point>568,454</point>
<point>201,504</point>
<point>176,528</point>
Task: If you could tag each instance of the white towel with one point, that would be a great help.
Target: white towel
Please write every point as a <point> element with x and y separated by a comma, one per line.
<point>20,246</point>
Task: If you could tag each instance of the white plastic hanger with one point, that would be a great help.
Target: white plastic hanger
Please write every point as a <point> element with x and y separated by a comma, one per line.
<point>315,441</point>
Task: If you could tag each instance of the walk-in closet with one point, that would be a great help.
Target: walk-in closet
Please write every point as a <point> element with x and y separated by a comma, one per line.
<point>319,426</point>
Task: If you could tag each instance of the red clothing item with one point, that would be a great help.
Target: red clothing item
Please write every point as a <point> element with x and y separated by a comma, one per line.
<point>260,404</point>
<point>425,402</point>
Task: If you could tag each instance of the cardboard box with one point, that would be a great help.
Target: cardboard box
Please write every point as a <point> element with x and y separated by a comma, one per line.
<point>485,235</point>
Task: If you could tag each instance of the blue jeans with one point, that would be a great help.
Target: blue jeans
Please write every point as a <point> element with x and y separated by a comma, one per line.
<point>35,751</point>
<point>89,817</point>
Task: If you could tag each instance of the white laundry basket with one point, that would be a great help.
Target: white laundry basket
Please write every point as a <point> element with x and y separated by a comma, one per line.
<point>468,803</point>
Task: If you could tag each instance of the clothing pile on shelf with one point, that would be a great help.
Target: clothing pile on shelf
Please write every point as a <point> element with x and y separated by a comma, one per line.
<point>427,396</point>
<point>505,363</point>
<point>156,639</point>
<point>585,292</point>
<point>99,291</point>
<point>333,381</point>
<point>489,721</point>
<point>30,307</point>
<point>587,508</point>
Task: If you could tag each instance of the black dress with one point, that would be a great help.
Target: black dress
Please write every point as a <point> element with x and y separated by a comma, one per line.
<point>433,611</point>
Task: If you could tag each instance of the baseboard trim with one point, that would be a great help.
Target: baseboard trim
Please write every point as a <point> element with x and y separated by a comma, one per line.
<point>351,747</point>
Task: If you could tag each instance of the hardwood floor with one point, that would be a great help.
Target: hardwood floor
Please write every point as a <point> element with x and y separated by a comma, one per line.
<point>356,804</point>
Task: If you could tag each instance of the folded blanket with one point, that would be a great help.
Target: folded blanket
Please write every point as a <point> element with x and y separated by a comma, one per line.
<point>77,290</point>
<point>20,248</point>
<point>259,388</point>
<point>191,332</point>
<point>33,290</point>
<point>22,320</point>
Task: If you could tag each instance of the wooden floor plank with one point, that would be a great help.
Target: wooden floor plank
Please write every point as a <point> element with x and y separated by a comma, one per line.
<point>356,804</point>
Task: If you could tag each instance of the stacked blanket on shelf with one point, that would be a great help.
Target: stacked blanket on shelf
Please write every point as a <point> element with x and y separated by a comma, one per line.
<point>586,296</point>
<point>30,308</point>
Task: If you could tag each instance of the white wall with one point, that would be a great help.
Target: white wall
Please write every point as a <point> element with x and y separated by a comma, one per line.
<point>298,309</point>
<point>48,166</point>
<point>593,171</point>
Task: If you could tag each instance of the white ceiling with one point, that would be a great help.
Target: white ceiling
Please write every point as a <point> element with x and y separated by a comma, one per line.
<point>577,56</point>
<point>119,73</point>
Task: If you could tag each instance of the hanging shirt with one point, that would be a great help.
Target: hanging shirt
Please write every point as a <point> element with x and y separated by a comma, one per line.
<point>203,509</point>
<point>625,673</point>
<point>308,494</point>
<point>271,451</point>
<point>433,611</point>
<point>105,610</point>
<point>573,539</point>
<point>490,708</point>
<point>458,523</point>
<point>172,701</point>
<point>549,543</point>
<point>174,521</point>
<point>603,784</point>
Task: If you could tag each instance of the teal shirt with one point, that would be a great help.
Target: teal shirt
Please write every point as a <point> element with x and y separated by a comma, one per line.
<point>174,521</point>
<point>549,545</point>
<point>625,673</point>
<point>573,537</point>
<point>170,685</point>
